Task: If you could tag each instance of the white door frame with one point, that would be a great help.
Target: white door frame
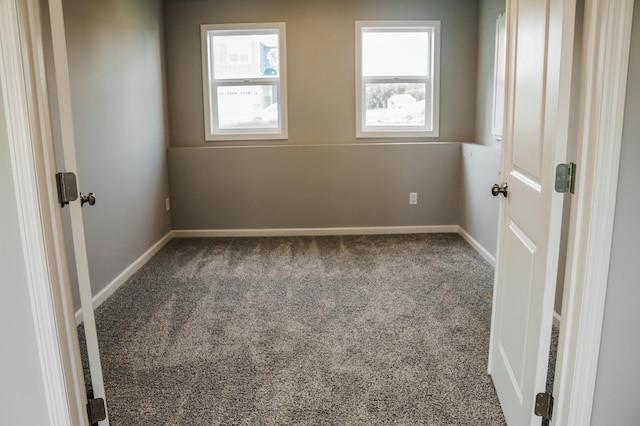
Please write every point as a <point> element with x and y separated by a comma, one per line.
<point>607,35</point>
<point>26,102</point>
<point>68,147</point>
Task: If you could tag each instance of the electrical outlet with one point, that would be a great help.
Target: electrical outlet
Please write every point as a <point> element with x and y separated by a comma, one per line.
<point>167,204</point>
<point>413,198</point>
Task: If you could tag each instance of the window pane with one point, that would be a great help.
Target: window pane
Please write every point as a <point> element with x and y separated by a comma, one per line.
<point>389,53</point>
<point>248,107</point>
<point>398,104</point>
<point>245,56</point>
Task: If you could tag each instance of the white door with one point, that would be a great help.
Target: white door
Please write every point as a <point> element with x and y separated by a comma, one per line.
<point>75,207</point>
<point>540,45</point>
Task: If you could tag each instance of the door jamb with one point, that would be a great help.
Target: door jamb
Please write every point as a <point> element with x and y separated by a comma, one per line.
<point>31,144</point>
<point>606,41</point>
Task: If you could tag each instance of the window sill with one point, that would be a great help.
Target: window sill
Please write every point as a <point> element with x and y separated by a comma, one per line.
<point>396,134</point>
<point>246,137</point>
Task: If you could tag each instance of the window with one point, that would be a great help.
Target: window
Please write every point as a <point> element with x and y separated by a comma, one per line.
<point>243,72</point>
<point>397,78</point>
<point>499,73</point>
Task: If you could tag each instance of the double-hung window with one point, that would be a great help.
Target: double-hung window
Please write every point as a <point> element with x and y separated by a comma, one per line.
<point>244,81</point>
<point>397,75</point>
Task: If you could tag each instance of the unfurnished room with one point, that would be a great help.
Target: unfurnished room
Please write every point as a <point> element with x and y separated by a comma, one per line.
<point>385,212</point>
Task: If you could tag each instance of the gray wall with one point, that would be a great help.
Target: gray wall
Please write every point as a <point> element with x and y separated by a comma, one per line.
<point>21,386</point>
<point>480,169</point>
<point>117,87</point>
<point>314,186</point>
<point>320,62</point>
<point>618,380</point>
<point>480,162</point>
<point>488,13</point>
<point>319,177</point>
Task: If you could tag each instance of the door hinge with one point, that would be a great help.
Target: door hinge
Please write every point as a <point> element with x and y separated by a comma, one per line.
<point>544,405</point>
<point>565,177</point>
<point>96,410</point>
<point>67,187</point>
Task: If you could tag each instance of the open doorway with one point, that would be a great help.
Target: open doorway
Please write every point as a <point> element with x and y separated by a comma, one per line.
<point>102,121</point>
<point>115,156</point>
<point>587,323</point>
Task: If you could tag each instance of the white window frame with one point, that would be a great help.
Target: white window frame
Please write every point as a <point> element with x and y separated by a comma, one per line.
<point>499,73</point>
<point>364,131</point>
<point>210,85</point>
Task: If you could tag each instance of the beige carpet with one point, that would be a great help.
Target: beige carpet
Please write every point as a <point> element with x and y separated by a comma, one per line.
<point>362,330</point>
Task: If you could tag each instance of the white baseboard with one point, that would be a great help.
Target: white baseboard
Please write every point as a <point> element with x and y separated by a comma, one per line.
<point>477,246</point>
<point>107,291</point>
<point>110,288</point>
<point>299,232</point>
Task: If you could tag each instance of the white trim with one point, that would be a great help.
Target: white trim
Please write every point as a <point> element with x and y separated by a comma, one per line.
<point>117,282</point>
<point>477,246</point>
<point>52,224</point>
<point>333,145</point>
<point>212,131</point>
<point>499,78</point>
<point>420,131</point>
<point>607,31</point>
<point>296,232</point>
<point>65,115</point>
<point>19,97</point>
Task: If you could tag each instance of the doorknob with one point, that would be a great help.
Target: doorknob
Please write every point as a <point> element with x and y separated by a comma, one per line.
<point>91,199</point>
<point>497,189</point>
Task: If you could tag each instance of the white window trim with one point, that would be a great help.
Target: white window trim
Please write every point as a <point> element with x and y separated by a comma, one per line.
<point>211,131</point>
<point>499,72</point>
<point>364,131</point>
